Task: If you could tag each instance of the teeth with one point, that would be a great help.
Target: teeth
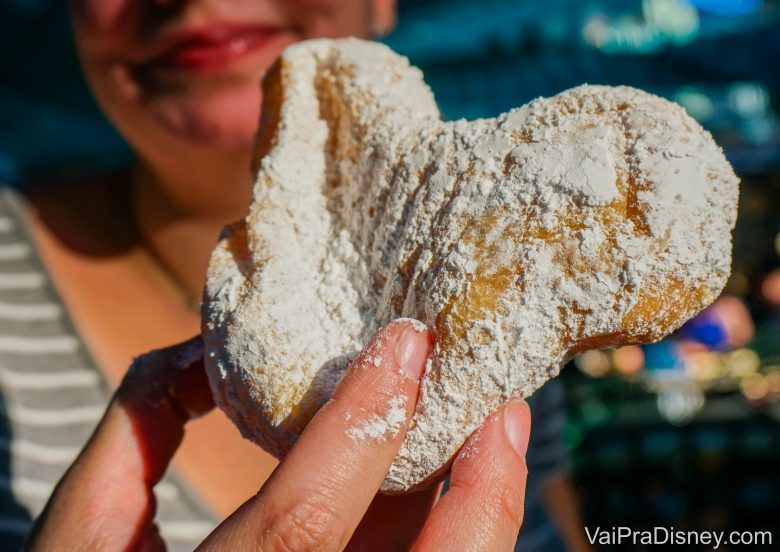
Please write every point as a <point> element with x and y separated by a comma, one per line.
<point>239,44</point>
<point>514,238</point>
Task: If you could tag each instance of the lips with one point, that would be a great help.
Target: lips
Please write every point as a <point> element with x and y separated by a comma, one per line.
<point>212,48</point>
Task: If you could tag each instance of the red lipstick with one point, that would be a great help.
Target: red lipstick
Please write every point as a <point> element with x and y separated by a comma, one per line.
<point>213,47</point>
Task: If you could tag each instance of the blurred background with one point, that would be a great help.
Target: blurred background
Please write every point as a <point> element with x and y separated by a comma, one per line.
<point>682,433</point>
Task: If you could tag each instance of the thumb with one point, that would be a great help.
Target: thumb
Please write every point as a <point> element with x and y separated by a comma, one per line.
<point>105,500</point>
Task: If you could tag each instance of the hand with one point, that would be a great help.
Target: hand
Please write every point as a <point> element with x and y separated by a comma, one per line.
<point>323,495</point>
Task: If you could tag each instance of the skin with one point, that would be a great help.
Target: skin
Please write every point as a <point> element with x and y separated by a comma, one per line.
<point>192,129</point>
<point>131,250</point>
<point>560,501</point>
<point>323,495</point>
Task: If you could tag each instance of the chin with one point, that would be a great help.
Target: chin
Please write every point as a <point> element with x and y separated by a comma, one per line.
<point>224,119</point>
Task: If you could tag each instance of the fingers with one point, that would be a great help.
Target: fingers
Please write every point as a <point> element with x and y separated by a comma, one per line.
<point>393,522</point>
<point>162,391</point>
<point>483,508</point>
<point>318,494</point>
<point>105,499</point>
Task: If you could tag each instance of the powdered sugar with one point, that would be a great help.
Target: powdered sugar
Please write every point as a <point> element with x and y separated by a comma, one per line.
<point>595,218</point>
<point>379,427</point>
<point>416,324</point>
<point>471,446</point>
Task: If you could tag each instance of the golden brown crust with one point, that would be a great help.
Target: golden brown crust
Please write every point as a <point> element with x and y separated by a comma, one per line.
<point>598,217</point>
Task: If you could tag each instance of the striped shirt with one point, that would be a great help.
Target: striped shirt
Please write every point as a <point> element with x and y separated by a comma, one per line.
<point>51,397</point>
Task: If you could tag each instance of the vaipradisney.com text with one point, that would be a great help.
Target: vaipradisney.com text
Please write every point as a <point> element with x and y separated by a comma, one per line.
<point>608,536</point>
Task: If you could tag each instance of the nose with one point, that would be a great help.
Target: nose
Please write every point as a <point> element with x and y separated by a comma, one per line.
<point>169,5</point>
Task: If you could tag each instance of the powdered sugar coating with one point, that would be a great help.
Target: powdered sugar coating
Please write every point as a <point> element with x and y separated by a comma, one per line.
<point>595,218</point>
<point>380,427</point>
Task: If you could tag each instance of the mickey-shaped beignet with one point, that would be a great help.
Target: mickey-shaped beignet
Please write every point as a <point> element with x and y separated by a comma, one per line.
<point>595,218</point>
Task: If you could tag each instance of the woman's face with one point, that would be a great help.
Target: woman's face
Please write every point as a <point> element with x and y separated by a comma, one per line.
<point>183,73</point>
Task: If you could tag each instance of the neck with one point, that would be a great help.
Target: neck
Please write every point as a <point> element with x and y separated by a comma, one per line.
<point>181,209</point>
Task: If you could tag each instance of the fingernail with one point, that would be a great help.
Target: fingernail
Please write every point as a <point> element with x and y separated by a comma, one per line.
<point>517,425</point>
<point>411,351</point>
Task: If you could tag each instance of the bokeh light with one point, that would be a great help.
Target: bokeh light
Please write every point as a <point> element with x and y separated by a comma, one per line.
<point>628,360</point>
<point>680,404</point>
<point>728,7</point>
<point>703,366</point>
<point>593,363</point>
<point>755,387</point>
<point>742,362</point>
<point>770,287</point>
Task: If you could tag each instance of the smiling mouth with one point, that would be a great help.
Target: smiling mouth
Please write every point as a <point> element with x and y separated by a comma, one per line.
<point>212,49</point>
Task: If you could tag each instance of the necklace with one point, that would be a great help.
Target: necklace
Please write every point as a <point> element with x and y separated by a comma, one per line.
<point>190,301</point>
